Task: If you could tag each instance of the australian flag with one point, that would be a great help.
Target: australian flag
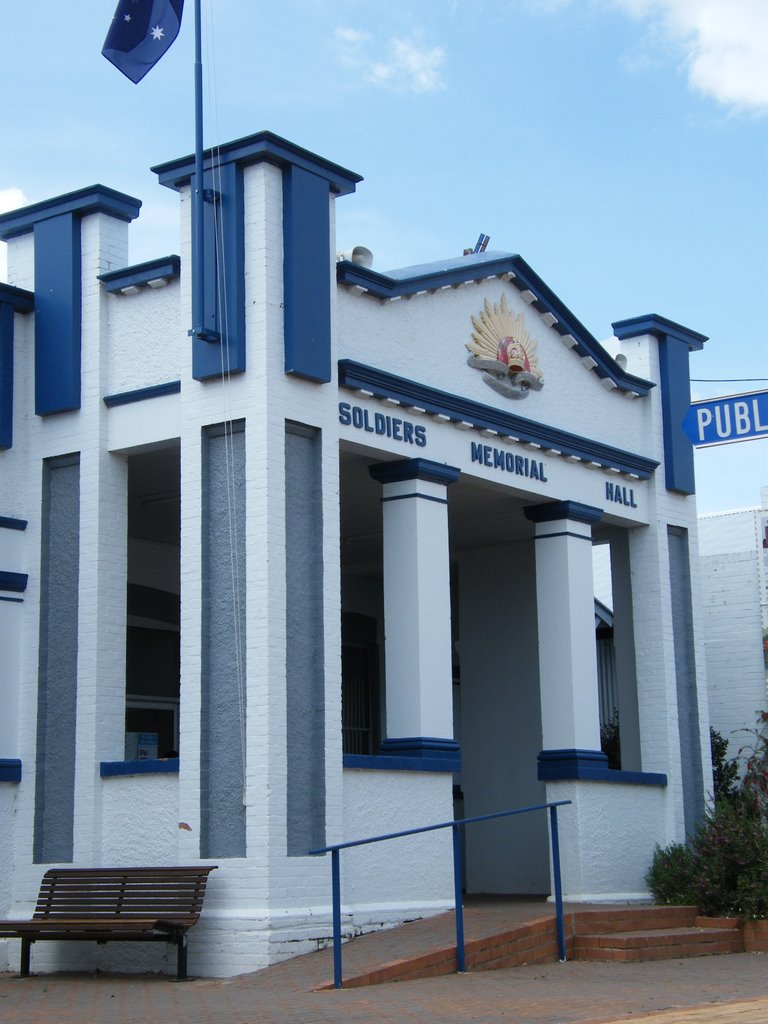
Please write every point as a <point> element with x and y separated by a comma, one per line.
<point>140,33</point>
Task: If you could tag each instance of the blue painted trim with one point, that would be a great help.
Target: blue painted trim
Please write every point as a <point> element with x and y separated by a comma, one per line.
<point>167,268</point>
<point>674,371</point>
<point>259,148</point>
<point>12,300</point>
<point>660,327</point>
<point>152,766</point>
<point>19,299</point>
<point>223,313</point>
<point>93,199</point>
<point>173,387</point>
<point>675,345</point>
<point>477,267</point>
<point>10,769</point>
<point>414,469</point>
<point>553,511</point>
<point>371,762</point>
<point>12,600</point>
<point>9,523</point>
<point>592,766</point>
<point>359,377</point>
<point>15,582</point>
<point>410,754</point>
<point>306,275</point>
<point>58,314</point>
<point>421,746</point>
<point>6,375</point>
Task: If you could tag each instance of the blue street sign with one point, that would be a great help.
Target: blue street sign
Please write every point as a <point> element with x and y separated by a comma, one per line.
<point>724,420</point>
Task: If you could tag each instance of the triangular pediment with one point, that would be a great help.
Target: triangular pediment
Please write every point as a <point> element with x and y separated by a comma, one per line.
<point>479,267</point>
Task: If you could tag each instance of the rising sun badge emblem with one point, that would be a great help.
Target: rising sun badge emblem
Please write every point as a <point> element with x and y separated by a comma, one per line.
<point>504,350</point>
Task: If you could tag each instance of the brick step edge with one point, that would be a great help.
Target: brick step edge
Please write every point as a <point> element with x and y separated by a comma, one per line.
<point>659,944</point>
<point>631,918</point>
<point>533,942</point>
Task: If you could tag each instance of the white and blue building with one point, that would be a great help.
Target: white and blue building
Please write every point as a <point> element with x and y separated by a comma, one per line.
<point>330,576</point>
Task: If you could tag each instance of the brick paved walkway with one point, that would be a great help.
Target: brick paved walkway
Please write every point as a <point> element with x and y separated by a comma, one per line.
<point>707,990</point>
<point>729,989</point>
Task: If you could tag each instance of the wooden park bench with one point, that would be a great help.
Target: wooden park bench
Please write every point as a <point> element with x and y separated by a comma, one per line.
<point>114,904</point>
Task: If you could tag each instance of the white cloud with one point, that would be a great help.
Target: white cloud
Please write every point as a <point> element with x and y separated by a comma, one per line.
<point>724,44</point>
<point>11,199</point>
<point>405,66</point>
<point>410,68</point>
<point>351,36</point>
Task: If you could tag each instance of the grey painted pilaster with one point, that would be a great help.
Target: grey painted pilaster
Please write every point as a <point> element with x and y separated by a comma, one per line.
<point>685,673</point>
<point>222,730</point>
<point>305,650</point>
<point>57,668</point>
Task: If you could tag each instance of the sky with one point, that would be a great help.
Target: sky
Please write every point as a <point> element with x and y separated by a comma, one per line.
<point>619,146</point>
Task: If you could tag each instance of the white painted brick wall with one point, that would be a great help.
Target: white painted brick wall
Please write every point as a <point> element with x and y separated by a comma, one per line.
<point>146,334</point>
<point>734,644</point>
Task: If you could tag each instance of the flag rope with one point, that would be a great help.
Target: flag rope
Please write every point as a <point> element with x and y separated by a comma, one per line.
<point>220,262</point>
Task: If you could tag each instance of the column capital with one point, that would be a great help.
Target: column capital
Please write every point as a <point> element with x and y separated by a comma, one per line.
<point>554,510</point>
<point>414,469</point>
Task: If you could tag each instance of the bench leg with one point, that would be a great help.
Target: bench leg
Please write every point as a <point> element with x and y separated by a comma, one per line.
<point>24,969</point>
<point>181,963</point>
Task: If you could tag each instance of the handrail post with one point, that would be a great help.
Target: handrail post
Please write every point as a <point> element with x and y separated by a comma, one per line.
<point>457,892</point>
<point>336,884</point>
<point>455,825</point>
<point>558,885</point>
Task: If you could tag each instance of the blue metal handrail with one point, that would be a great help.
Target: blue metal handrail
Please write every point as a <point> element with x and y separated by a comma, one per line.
<point>457,874</point>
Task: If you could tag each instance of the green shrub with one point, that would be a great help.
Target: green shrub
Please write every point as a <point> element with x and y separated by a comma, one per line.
<point>670,877</point>
<point>725,770</point>
<point>723,868</point>
<point>730,853</point>
<point>754,786</point>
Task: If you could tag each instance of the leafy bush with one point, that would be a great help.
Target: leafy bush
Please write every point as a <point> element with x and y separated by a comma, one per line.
<point>670,877</point>
<point>725,771</point>
<point>755,752</point>
<point>730,851</point>
<point>722,868</point>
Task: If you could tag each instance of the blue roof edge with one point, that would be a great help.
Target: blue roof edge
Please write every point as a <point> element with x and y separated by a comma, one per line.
<point>658,326</point>
<point>92,199</point>
<point>482,266</point>
<point>165,267</point>
<point>19,299</point>
<point>261,146</point>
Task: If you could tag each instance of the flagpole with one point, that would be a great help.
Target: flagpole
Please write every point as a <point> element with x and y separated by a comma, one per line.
<point>198,199</point>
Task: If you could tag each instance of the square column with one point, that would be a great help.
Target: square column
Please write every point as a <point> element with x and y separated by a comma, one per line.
<point>417,608</point>
<point>566,628</point>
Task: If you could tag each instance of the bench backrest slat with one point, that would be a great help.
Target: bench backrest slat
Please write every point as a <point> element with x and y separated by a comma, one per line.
<point>175,892</point>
